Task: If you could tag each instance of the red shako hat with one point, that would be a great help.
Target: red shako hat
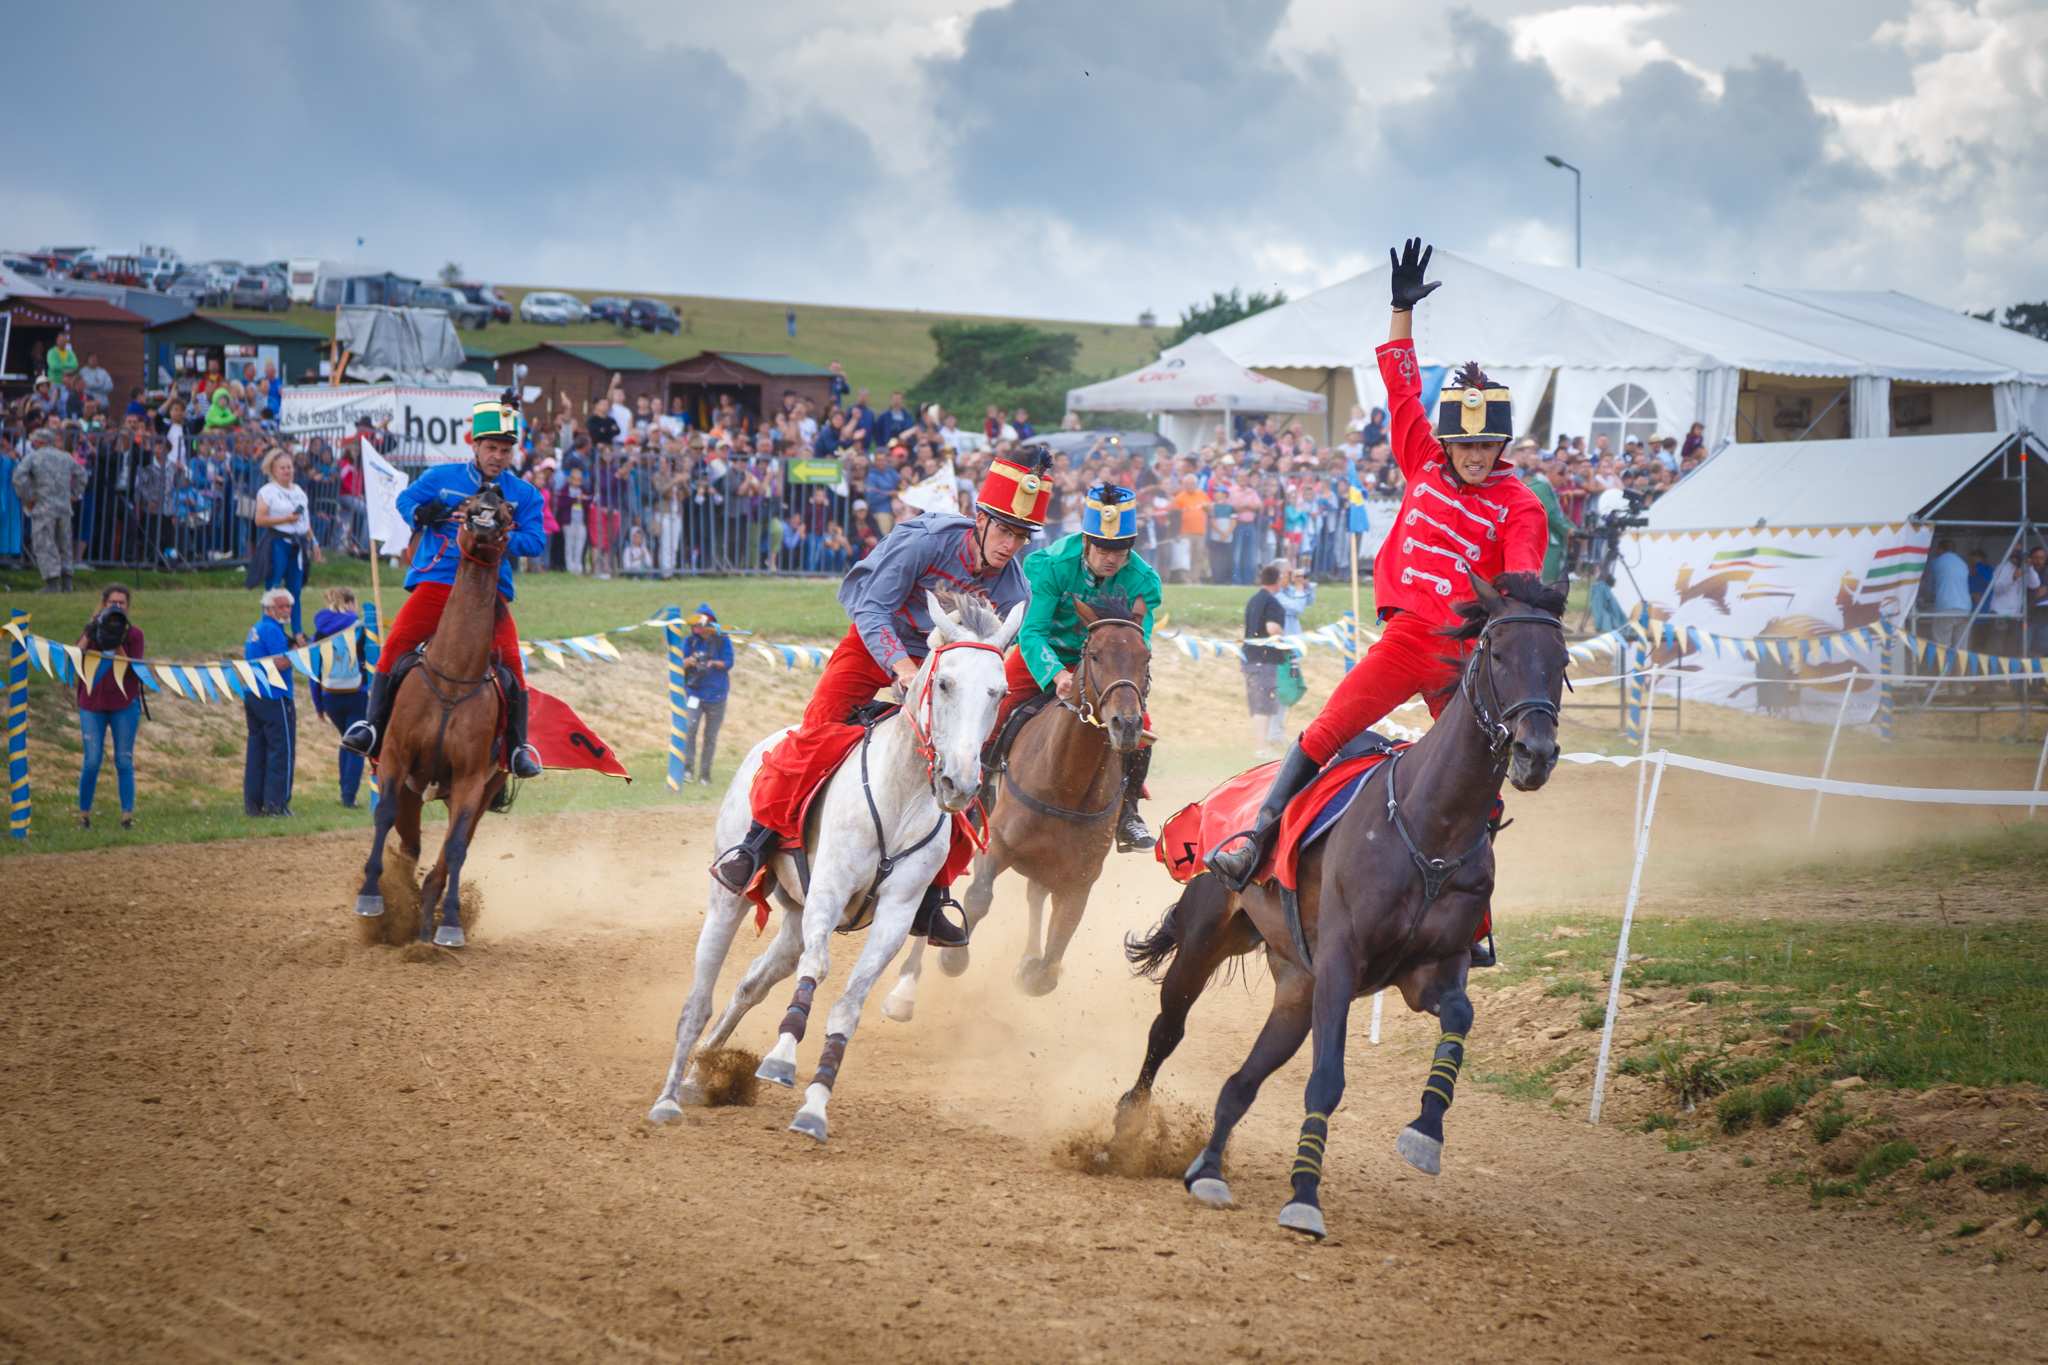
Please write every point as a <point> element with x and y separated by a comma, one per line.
<point>1018,488</point>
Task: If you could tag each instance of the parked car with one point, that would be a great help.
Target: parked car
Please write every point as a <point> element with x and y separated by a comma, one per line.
<point>546,305</point>
<point>260,289</point>
<point>652,315</point>
<point>488,296</point>
<point>200,289</point>
<point>22,265</point>
<point>460,310</point>
<point>605,308</point>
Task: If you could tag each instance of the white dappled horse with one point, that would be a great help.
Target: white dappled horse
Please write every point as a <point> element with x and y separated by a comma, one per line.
<point>921,765</point>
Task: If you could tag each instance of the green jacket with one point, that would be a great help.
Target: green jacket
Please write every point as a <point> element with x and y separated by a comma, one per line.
<point>1052,633</point>
<point>1560,526</point>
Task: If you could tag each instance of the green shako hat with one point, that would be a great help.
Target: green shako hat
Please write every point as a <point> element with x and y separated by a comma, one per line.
<point>499,417</point>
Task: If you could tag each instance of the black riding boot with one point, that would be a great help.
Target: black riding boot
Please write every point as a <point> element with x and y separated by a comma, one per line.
<point>737,865</point>
<point>931,923</point>
<point>366,736</point>
<point>1131,834</point>
<point>1482,951</point>
<point>1236,861</point>
<point>525,760</point>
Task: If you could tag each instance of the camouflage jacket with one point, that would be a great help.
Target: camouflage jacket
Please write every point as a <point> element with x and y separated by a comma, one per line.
<point>49,478</point>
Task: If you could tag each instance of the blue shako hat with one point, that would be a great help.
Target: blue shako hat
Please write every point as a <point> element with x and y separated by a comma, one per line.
<point>1111,518</point>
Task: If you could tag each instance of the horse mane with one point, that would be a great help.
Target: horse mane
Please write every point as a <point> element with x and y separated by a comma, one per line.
<point>1527,588</point>
<point>1114,606</point>
<point>975,613</point>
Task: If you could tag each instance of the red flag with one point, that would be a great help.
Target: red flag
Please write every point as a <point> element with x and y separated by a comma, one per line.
<point>564,740</point>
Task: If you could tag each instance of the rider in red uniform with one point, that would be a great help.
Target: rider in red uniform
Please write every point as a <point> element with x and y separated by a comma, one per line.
<point>1465,511</point>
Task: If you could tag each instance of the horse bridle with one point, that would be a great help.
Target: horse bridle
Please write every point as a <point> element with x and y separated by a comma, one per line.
<point>1494,721</point>
<point>922,733</point>
<point>1090,709</point>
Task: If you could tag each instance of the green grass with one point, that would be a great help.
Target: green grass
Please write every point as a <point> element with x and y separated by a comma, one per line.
<point>1886,1158</point>
<point>881,348</point>
<point>1934,1015</point>
<point>1736,1110</point>
<point>1828,1126</point>
<point>2012,1175</point>
<point>1564,990</point>
<point>1593,1017</point>
<point>1528,1085</point>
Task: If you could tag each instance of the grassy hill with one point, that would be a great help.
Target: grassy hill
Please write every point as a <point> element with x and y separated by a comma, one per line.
<point>881,348</point>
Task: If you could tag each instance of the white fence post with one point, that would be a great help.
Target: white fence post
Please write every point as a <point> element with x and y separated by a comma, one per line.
<point>1628,916</point>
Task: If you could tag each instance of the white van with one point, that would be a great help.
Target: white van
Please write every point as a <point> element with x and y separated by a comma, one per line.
<point>307,273</point>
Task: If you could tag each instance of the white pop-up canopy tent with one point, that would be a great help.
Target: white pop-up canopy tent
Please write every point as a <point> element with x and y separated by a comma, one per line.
<point>1193,386</point>
<point>1587,352</point>
<point>1818,540</point>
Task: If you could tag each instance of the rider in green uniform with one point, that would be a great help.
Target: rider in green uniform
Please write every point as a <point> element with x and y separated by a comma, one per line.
<point>1096,563</point>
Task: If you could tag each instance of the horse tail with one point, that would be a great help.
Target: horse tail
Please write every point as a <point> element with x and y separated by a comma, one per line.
<point>1151,955</point>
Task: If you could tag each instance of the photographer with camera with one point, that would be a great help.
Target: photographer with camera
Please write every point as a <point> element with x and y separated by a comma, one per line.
<point>707,678</point>
<point>111,704</point>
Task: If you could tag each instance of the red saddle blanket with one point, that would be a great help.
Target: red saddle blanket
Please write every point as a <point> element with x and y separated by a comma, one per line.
<point>966,840</point>
<point>1194,831</point>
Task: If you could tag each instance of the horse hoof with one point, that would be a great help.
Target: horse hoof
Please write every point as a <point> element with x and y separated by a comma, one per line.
<point>1304,1218</point>
<point>809,1124</point>
<point>1213,1192</point>
<point>1035,978</point>
<point>777,1072</point>
<point>449,936</point>
<point>1424,1153</point>
<point>690,1092</point>
<point>953,961</point>
<point>898,1010</point>
<point>369,907</point>
<point>664,1110</point>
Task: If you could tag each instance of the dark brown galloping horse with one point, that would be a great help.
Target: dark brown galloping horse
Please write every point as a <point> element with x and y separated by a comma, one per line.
<point>1391,896</point>
<point>1058,794</point>
<point>444,721</point>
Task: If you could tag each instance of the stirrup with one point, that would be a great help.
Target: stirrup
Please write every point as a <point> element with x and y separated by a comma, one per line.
<point>360,738</point>
<point>1482,952</point>
<point>525,758</point>
<point>1235,859</point>
<point>931,923</point>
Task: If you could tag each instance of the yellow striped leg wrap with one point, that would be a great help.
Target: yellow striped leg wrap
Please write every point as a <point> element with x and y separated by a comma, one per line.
<point>1443,1071</point>
<point>1308,1156</point>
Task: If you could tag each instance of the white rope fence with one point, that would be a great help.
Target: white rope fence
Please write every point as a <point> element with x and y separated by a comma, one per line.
<point>1662,759</point>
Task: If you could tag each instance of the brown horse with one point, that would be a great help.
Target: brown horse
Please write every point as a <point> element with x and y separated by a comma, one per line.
<point>445,718</point>
<point>1059,790</point>
<point>1391,896</point>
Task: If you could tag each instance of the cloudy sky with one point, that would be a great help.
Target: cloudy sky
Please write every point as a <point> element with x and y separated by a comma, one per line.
<point>1068,158</point>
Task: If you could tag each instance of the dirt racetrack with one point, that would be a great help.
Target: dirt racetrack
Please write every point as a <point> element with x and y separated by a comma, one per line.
<point>232,1133</point>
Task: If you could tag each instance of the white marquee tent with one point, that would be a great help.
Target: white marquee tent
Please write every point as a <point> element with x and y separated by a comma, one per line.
<point>1193,386</point>
<point>1586,351</point>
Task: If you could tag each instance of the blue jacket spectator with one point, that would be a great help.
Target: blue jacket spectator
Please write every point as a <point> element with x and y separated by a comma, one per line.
<point>880,485</point>
<point>269,715</point>
<point>706,644</point>
<point>894,422</point>
<point>438,558</point>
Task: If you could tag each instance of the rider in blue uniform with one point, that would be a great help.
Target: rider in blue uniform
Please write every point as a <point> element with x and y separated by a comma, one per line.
<point>430,501</point>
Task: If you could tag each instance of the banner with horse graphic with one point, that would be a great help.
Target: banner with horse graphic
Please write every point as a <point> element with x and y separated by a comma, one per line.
<point>1787,583</point>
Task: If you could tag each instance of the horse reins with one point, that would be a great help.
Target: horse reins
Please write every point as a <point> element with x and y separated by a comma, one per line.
<point>1436,872</point>
<point>1090,710</point>
<point>1495,725</point>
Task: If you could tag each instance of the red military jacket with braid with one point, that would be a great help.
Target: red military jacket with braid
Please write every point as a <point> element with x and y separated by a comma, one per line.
<point>1446,527</point>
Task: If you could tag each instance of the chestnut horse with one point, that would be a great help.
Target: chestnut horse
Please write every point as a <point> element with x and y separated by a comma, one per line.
<point>1059,791</point>
<point>444,724</point>
<point>1391,896</point>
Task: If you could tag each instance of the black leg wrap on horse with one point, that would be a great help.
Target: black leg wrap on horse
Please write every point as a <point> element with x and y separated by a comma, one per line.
<point>1454,1011</point>
<point>799,1012</point>
<point>1308,1158</point>
<point>829,1060</point>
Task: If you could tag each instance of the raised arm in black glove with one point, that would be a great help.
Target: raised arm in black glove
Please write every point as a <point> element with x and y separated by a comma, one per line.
<point>1409,266</point>
<point>428,515</point>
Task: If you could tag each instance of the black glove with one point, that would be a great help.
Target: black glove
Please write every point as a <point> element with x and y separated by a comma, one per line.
<point>1409,266</point>
<point>428,515</point>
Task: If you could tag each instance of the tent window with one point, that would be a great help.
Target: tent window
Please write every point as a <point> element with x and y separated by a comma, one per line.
<point>1626,413</point>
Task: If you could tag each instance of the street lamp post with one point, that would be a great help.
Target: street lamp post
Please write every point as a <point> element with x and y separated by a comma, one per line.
<point>1578,238</point>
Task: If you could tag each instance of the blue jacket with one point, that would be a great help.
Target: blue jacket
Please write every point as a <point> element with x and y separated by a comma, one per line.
<point>267,639</point>
<point>709,686</point>
<point>450,484</point>
<point>884,593</point>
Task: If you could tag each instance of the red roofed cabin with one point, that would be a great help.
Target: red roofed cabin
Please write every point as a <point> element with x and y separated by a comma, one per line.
<point>579,371</point>
<point>756,381</point>
<point>97,328</point>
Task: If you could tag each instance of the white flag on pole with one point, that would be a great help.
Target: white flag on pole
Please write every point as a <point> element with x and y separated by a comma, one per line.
<point>934,493</point>
<point>382,483</point>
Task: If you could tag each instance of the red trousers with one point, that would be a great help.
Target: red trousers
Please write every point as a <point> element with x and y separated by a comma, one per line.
<point>1410,657</point>
<point>421,613</point>
<point>793,769</point>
